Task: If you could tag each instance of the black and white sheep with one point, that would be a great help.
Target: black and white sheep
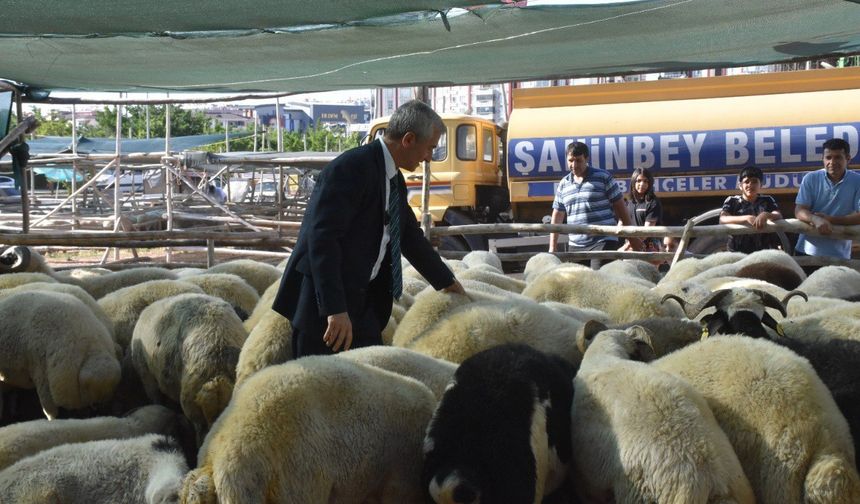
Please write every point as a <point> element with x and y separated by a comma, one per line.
<point>53,342</point>
<point>316,429</point>
<point>644,435</point>
<point>501,433</point>
<point>141,470</point>
<point>186,348</point>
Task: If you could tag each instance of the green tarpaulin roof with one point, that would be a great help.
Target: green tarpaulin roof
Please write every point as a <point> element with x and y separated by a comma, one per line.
<point>272,45</point>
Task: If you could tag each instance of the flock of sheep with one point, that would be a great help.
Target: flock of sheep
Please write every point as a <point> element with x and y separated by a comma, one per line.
<point>732,379</point>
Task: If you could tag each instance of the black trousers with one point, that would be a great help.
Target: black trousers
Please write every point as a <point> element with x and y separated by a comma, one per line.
<point>601,245</point>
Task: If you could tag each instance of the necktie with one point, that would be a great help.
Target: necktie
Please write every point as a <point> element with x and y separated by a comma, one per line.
<point>394,235</point>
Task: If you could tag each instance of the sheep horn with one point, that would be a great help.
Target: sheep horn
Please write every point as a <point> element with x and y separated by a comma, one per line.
<point>677,298</point>
<point>771,301</point>
<point>15,260</point>
<point>711,300</point>
<point>792,294</point>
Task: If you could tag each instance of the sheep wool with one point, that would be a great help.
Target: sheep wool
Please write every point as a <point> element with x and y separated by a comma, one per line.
<point>54,342</point>
<point>839,282</point>
<point>125,305</point>
<point>145,470</point>
<point>620,298</point>
<point>11,280</point>
<point>269,343</point>
<point>186,348</point>
<point>316,429</point>
<point>689,267</point>
<point>231,288</point>
<point>24,439</point>
<point>539,263</point>
<point>643,435</point>
<point>471,328</point>
<point>792,442</point>
<point>480,258</point>
<point>263,306</point>
<point>635,269</point>
<point>258,275</point>
<point>432,372</point>
<point>500,280</point>
<point>73,290</point>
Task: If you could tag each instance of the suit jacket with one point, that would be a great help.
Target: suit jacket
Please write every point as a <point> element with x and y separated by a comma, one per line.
<point>329,269</point>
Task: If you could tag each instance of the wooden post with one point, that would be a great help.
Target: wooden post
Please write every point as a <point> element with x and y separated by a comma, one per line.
<point>278,129</point>
<point>25,198</point>
<point>426,218</point>
<point>682,243</point>
<point>210,253</point>
<point>255,131</point>
<point>117,176</point>
<point>74,167</point>
<point>227,172</point>
<point>168,180</point>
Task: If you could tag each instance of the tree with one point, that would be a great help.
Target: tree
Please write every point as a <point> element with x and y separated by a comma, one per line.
<point>53,125</point>
<point>182,122</point>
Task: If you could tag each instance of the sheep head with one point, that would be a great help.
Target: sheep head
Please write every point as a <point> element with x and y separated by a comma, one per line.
<point>738,310</point>
<point>640,349</point>
<point>15,260</point>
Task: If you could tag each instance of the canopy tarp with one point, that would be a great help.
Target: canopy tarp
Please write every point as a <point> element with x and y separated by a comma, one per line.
<point>94,145</point>
<point>291,46</point>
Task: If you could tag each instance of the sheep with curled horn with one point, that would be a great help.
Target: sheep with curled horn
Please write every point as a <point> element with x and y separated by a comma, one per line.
<point>738,310</point>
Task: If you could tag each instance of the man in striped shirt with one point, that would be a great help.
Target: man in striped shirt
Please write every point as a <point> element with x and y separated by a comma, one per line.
<point>589,195</point>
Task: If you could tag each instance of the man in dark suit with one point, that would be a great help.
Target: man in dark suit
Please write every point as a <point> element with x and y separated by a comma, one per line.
<point>339,283</point>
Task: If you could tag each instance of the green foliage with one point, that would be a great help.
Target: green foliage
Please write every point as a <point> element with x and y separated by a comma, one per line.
<point>318,139</point>
<point>182,122</point>
<point>54,125</point>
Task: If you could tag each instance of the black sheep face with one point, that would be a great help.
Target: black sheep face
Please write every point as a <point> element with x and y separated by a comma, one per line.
<point>740,322</point>
<point>481,443</point>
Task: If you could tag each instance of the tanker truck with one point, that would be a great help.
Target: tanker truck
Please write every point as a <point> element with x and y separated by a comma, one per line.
<point>694,135</point>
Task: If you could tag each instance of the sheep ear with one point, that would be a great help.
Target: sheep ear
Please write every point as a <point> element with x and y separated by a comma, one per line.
<point>644,347</point>
<point>588,332</point>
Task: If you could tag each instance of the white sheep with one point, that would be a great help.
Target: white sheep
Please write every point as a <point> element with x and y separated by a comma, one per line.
<point>54,342</point>
<point>436,374</point>
<point>186,348</point>
<point>667,334</point>
<point>539,263</point>
<point>622,299</point>
<point>792,441</point>
<point>24,439</point>
<point>481,258</point>
<point>72,290</point>
<point>316,429</point>
<point>269,343</point>
<point>146,469</point>
<point>692,266</point>
<point>643,435</point>
<point>499,280</point>
<point>125,305</point>
<point>258,275</point>
<point>761,259</point>
<point>635,269</point>
<point>97,285</point>
<point>263,306</point>
<point>411,285</point>
<point>12,280</point>
<point>834,282</point>
<point>469,327</point>
<point>231,288</point>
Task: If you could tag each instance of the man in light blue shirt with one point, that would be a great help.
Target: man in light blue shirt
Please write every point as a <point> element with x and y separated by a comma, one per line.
<point>826,197</point>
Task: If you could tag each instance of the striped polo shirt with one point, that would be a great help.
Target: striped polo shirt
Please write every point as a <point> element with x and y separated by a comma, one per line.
<point>588,202</point>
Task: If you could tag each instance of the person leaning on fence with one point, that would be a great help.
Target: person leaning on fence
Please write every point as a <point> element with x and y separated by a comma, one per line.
<point>753,209</point>
<point>828,196</point>
<point>589,195</point>
<point>643,206</point>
